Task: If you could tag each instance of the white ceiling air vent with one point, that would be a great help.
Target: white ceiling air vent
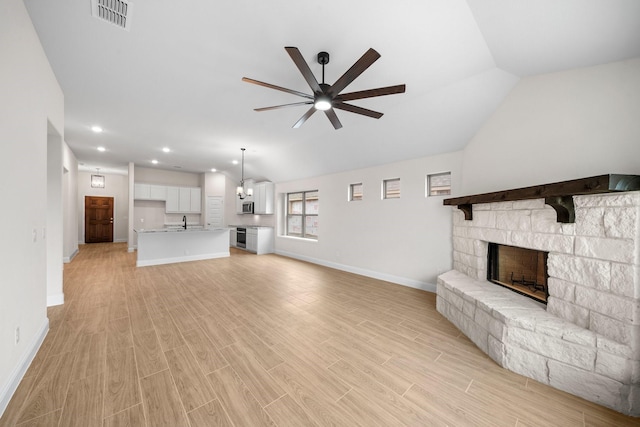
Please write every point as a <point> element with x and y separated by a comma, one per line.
<point>116,12</point>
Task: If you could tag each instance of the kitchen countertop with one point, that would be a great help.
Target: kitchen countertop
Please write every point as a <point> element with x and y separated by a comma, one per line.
<point>179,230</point>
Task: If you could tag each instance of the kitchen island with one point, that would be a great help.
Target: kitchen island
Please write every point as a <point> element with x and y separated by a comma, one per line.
<point>166,246</point>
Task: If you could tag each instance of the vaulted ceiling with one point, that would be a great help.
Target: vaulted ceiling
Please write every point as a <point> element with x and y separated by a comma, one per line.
<point>173,79</point>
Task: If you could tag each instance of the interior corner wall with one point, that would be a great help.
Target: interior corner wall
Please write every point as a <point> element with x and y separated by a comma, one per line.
<point>70,203</point>
<point>30,99</point>
<point>53,232</point>
<point>559,126</point>
<point>116,186</point>
<point>405,241</point>
<point>130,207</point>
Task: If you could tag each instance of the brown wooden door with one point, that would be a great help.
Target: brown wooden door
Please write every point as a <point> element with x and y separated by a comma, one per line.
<point>98,219</point>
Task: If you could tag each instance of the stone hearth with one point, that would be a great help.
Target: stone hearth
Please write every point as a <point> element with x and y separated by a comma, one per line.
<point>586,341</point>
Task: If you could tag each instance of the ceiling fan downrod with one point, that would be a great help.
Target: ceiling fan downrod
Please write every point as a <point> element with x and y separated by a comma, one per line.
<point>323,59</point>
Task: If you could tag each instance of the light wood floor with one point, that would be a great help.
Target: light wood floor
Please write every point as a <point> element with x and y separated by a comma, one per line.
<point>265,340</point>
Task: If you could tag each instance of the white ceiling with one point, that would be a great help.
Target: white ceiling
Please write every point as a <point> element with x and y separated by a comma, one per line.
<point>174,79</point>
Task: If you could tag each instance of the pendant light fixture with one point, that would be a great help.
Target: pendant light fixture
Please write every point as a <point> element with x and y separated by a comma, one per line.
<point>97,181</point>
<point>240,191</point>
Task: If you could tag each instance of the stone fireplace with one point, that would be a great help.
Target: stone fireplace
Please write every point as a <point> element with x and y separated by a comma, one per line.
<point>586,339</point>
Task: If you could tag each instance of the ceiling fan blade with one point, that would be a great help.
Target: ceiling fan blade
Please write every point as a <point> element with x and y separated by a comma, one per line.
<point>275,107</point>
<point>356,69</point>
<point>302,65</point>
<point>333,118</point>
<point>357,110</point>
<point>270,86</point>
<point>304,117</point>
<point>381,91</point>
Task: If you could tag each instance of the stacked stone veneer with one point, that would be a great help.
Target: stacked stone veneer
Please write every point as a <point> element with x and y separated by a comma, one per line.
<point>586,341</point>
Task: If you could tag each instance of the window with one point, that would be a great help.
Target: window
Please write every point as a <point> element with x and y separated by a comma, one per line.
<point>391,188</point>
<point>355,192</point>
<point>302,214</point>
<point>439,184</point>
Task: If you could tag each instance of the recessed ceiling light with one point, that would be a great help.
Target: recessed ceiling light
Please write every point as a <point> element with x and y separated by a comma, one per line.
<point>235,162</point>
<point>214,170</point>
<point>166,149</point>
<point>154,161</point>
<point>96,129</point>
<point>102,149</point>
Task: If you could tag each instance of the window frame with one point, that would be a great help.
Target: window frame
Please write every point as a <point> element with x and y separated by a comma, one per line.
<point>428,186</point>
<point>386,195</point>
<point>303,216</point>
<point>352,194</point>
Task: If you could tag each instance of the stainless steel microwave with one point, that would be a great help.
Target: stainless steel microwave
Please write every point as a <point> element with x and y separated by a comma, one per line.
<point>247,207</point>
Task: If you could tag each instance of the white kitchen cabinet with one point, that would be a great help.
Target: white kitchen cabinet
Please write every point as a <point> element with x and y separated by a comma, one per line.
<point>260,240</point>
<point>265,240</point>
<point>252,240</point>
<point>263,194</point>
<point>183,200</point>
<point>173,200</point>
<point>157,192</point>
<point>195,200</point>
<point>149,192</point>
<point>141,191</point>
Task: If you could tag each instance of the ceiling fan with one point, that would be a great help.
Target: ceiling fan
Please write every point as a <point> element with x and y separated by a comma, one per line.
<point>328,97</point>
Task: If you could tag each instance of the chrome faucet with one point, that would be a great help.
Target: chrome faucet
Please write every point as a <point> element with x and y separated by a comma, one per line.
<point>184,218</point>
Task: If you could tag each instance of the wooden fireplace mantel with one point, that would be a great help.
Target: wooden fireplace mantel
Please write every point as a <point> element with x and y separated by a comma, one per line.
<point>558,195</point>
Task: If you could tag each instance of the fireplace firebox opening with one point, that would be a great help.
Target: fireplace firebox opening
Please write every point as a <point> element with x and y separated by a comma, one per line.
<point>519,269</point>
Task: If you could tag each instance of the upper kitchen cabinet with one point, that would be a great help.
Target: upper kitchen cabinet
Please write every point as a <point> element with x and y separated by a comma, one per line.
<point>149,192</point>
<point>173,199</point>
<point>158,192</point>
<point>195,201</point>
<point>183,200</point>
<point>263,195</point>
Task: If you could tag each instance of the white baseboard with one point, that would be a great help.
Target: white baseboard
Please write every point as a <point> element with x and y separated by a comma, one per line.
<point>404,281</point>
<point>160,261</point>
<point>68,259</point>
<point>18,373</point>
<point>57,299</point>
<point>120,240</point>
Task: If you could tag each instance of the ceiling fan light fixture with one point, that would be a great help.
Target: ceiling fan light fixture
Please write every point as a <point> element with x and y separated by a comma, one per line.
<point>324,95</point>
<point>322,103</point>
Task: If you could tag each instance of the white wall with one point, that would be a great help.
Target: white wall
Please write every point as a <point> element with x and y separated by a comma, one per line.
<point>116,186</point>
<point>54,233</point>
<point>559,126</point>
<point>131,235</point>
<point>214,184</point>
<point>165,177</point>
<point>70,203</point>
<point>29,98</point>
<point>406,240</point>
